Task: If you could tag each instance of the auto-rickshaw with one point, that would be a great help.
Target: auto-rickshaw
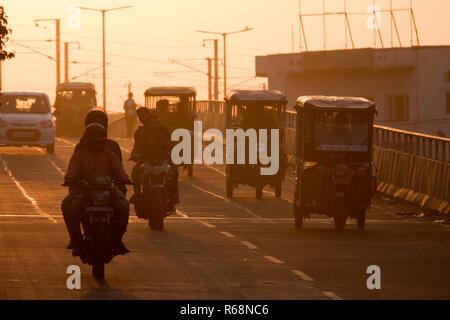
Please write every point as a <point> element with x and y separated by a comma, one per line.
<point>255,109</point>
<point>72,103</point>
<point>334,159</point>
<point>167,103</point>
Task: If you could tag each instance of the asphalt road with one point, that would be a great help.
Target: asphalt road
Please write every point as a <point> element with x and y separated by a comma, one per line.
<point>214,248</point>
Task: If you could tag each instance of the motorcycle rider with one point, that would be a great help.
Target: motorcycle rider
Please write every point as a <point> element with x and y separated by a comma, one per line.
<point>97,115</point>
<point>96,159</point>
<point>152,142</point>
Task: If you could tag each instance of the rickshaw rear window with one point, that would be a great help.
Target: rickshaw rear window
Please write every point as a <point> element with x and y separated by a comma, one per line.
<point>341,131</point>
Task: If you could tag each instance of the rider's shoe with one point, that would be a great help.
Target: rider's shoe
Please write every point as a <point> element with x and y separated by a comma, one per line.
<point>120,248</point>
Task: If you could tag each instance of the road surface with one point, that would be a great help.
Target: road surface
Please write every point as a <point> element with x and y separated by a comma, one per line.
<point>214,248</point>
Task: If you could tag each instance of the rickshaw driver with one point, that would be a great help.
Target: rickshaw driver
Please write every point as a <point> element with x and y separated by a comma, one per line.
<point>254,118</point>
<point>184,116</point>
<point>162,111</point>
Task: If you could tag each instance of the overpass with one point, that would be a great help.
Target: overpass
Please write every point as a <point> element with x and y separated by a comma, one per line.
<point>240,248</point>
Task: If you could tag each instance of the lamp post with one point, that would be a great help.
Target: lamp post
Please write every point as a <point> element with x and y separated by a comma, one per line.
<point>58,46</point>
<point>224,35</point>
<point>103,11</point>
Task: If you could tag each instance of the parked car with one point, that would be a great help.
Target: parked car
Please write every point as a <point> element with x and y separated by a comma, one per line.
<point>26,120</point>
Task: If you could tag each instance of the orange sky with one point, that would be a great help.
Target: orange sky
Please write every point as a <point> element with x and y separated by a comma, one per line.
<point>140,40</point>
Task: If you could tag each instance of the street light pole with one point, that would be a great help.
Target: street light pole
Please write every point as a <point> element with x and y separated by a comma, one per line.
<point>58,46</point>
<point>66,59</point>
<point>224,35</point>
<point>103,11</point>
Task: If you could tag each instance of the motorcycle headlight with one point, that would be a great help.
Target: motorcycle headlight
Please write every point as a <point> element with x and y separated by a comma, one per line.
<point>46,124</point>
<point>341,170</point>
<point>3,123</point>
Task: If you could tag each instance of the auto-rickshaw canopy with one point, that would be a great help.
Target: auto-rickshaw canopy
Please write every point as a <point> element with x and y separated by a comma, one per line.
<point>334,102</point>
<point>262,96</point>
<point>69,86</point>
<point>171,91</point>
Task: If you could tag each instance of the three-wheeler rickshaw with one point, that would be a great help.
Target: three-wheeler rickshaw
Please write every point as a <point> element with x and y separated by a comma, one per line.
<point>72,103</point>
<point>334,159</point>
<point>255,109</point>
<point>175,108</point>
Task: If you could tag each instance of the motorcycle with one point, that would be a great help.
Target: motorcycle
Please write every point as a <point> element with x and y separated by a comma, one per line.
<point>96,222</point>
<point>154,201</point>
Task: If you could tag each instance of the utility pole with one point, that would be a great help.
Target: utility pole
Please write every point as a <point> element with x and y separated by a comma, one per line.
<point>66,59</point>
<point>224,35</point>
<point>103,11</point>
<point>58,46</point>
<point>216,66</point>
<point>209,78</point>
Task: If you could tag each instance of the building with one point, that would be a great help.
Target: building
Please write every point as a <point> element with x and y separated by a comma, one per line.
<point>410,86</point>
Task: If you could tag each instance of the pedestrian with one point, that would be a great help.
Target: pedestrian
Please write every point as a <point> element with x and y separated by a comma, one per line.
<point>130,114</point>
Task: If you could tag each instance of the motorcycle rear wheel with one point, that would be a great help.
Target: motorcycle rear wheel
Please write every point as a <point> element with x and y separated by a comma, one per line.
<point>156,220</point>
<point>98,261</point>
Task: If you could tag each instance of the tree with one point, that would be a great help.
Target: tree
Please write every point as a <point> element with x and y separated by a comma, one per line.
<point>4,32</point>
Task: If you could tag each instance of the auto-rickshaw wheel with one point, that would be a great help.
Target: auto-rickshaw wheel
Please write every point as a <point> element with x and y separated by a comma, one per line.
<point>340,215</point>
<point>229,188</point>
<point>361,219</point>
<point>298,217</point>
<point>278,189</point>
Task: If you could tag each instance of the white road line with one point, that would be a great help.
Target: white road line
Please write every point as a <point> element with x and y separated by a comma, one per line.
<point>273,259</point>
<point>218,196</point>
<point>182,214</point>
<point>66,141</point>
<point>302,275</point>
<point>25,194</point>
<point>249,245</point>
<point>227,234</point>
<point>56,167</point>
<point>208,225</point>
<point>332,295</point>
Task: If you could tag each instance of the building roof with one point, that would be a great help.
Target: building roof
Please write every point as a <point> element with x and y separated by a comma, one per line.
<point>334,102</point>
<point>170,91</point>
<point>256,96</point>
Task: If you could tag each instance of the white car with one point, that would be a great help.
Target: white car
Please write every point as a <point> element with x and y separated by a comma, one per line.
<point>26,119</point>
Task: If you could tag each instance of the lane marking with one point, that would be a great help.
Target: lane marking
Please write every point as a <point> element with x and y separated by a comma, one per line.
<point>332,295</point>
<point>227,234</point>
<point>66,141</point>
<point>56,167</point>
<point>302,275</point>
<point>249,245</point>
<point>25,194</point>
<point>182,214</point>
<point>208,225</point>
<point>273,259</point>
<point>215,195</point>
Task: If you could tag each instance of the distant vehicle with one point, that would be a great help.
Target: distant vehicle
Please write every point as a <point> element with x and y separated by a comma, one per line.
<point>256,109</point>
<point>334,159</point>
<point>26,120</point>
<point>176,97</point>
<point>72,103</point>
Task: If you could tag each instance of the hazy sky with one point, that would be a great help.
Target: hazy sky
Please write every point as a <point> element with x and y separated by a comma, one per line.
<point>140,40</point>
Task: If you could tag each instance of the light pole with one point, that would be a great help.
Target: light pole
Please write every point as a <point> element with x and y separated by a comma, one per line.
<point>58,46</point>
<point>66,58</point>
<point>216,66</point>
<point>224,35</point>
<point>103,11</point>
